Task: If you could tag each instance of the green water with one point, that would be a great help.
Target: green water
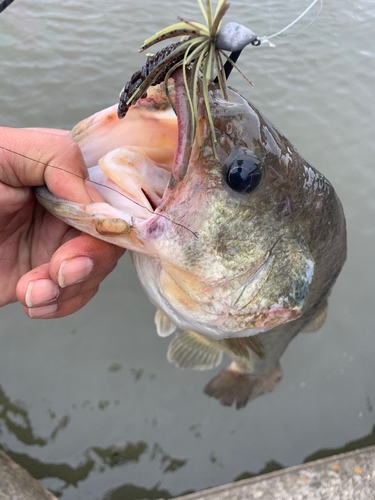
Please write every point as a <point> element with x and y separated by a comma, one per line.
<point>89,403</point>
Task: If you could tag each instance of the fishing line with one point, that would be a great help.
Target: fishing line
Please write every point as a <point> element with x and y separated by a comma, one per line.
<point>4,4</point>
<point>307,25</point>
<point>101,185</point>
<point>266,38</point>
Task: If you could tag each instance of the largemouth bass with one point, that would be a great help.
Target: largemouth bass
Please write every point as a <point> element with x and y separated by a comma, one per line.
<point>237,247</point>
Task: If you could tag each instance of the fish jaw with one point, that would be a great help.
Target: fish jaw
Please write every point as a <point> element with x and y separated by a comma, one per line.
<point>133,163</point>
<point>137,154</point>
<point>101,220</point>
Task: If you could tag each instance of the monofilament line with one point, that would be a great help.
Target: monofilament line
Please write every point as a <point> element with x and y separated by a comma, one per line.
<point>266,38</point>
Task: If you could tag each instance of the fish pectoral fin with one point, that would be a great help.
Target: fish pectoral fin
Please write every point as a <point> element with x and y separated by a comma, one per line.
<point>164,325</point>
<point>317,320</point>
<point>193,351</point>
<point>241,346</point>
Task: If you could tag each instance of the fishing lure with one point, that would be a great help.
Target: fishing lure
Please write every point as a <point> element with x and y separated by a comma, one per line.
<point>139,77</point>
<point>201,49</point>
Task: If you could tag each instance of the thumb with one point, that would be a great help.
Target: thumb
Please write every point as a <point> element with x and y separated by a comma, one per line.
<point>34,158</point>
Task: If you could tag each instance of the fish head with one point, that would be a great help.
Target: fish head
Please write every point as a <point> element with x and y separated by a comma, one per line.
<point>223,232</point>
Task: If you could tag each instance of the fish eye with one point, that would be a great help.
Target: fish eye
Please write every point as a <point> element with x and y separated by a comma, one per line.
<point>244,173</point>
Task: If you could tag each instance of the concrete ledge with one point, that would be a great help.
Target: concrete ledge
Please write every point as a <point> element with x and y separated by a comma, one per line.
<point>17,484</point>
<point>348,476</point>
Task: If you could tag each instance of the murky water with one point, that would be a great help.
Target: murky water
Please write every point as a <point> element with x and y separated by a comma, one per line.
<point>89,403</point>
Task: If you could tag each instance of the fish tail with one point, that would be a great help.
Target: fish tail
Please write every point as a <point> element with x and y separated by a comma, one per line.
<point>232,386</point>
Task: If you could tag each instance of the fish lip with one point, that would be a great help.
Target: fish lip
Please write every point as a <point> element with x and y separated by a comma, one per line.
<point>184,124</point>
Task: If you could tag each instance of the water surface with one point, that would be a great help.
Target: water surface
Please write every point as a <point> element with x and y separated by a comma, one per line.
<point>89,403</point>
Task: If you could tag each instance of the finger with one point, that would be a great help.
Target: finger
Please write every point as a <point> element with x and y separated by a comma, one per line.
<point>83,259</point>
<point>40,158</point>
<point>60,310</point>
<point>39,290</point>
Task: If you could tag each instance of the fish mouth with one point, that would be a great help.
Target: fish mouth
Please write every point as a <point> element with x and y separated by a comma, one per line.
<point>144,174</point>
<point>134,163</point>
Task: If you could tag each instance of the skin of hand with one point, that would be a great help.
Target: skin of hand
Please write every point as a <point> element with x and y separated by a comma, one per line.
<point>51,268</point>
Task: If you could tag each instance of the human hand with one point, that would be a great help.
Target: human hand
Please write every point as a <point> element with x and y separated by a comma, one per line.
<point>51,268</point>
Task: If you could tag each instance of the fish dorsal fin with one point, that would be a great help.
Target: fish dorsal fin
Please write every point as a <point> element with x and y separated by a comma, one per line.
<point>164,325</point>
<point>241,345</point>
<point>193,351</point>
<point>317,320</point>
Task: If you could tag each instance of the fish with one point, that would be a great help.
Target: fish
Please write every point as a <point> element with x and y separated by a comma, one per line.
<point>237,243</point>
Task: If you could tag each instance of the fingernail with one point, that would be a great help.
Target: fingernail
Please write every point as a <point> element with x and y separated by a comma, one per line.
<point>40,291</point>
<point>74,270</point>
<point>38,312</point>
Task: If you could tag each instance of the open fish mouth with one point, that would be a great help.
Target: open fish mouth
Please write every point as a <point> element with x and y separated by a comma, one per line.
<point>132,163</point>
<point>143,173</point>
